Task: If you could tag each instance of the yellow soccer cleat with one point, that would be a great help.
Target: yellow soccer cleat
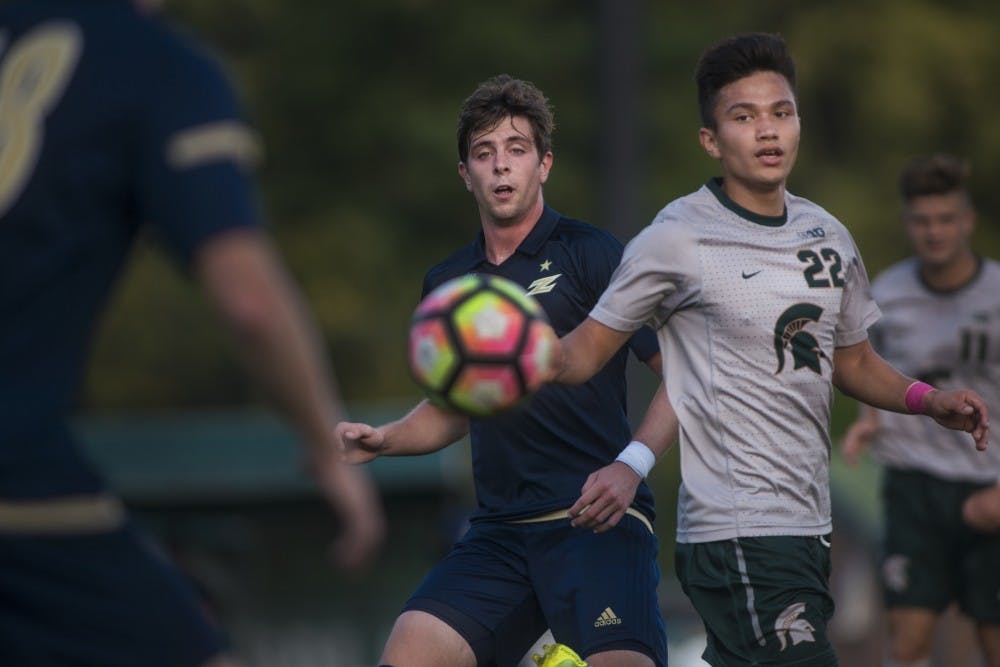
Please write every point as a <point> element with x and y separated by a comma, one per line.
<point>558,655</point>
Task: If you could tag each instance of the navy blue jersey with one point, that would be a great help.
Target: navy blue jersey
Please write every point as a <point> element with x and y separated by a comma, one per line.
<point>108,120</point>
<point>536,458</point>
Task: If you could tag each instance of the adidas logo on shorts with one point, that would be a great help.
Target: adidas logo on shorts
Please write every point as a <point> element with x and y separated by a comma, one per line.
<point>607,617</point>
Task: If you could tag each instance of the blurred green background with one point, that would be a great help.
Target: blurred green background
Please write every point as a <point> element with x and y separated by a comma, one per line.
<point>356,102</point>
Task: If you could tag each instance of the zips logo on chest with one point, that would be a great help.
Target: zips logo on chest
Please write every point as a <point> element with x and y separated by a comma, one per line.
<point>543,285</point>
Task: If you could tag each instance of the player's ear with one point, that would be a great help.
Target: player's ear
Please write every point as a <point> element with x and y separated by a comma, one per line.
<point>707,139</point>
<point>545,166</point>
<point>463,173</point>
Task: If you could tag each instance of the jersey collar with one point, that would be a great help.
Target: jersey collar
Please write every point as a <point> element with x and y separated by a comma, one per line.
<point>715,185</point>
<point>532,243</point>
<point>953,290</point>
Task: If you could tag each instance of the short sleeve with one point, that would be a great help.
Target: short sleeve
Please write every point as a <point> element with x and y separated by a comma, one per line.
<point>858,309</point>
<point>601,263</point>
<point>195,153</point>
<point>656,276</point>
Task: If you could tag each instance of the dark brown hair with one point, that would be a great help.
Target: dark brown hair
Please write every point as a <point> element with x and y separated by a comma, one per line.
<point>501,97</point>
<point>735,58</point>
<point>935,174</point>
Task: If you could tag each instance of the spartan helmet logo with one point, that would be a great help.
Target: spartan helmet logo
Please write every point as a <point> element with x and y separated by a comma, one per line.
<point>896,572</point>
<point>790,628</point>
<point>789,332</point>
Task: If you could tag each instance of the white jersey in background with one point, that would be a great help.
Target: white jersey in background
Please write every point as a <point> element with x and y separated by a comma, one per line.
<point>952,341</point>
<point>748,310</point>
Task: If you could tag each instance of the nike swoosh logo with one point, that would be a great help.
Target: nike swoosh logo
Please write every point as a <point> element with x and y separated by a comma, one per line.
<point>747,276</point>
<point>825,542</point>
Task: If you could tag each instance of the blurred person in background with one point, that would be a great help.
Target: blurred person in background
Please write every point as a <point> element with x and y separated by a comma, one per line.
<point>940,323</point>
<point>111,122</point>
<point>982,509</point>
<point>562,537</point>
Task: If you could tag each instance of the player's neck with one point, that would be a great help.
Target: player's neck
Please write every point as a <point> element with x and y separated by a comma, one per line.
<point>502,237</point>
<point>762,201</point>
<point>951,275</point>
<point>148,6</point>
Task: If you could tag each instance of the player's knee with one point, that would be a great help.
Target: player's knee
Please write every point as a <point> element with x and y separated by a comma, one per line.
<point>911,636</point>
<point>923,662</point>
<point>909,654</point>
<point>223,661</point>
<point>619,658</point>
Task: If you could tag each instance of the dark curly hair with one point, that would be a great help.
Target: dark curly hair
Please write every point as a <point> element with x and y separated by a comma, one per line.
<point>501,97</point>
<point>935,174</point>
<point>735,58</point>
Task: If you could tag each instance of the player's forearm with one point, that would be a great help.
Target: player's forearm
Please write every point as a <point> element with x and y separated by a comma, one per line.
<point>583,352</point>
<point>283,352</point>
<point>867,414</point>
<point>277,339</point>
<point>569,370</point>
<point>862,374</point>
<point>425,429</point>
<point>659,427</point>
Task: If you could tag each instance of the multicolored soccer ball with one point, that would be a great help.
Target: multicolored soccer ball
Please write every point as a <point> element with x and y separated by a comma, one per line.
<point>479,344</point>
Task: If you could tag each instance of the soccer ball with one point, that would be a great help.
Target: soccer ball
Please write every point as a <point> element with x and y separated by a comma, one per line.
<point>479,344</point>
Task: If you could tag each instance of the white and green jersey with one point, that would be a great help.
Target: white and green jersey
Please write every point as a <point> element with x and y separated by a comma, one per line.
<point>952,341</point>
<point>748,310</point>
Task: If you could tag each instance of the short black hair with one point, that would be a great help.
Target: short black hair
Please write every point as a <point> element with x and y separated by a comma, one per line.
<point>735,58</point>
<point>501,97</point>
<point>936,174</point>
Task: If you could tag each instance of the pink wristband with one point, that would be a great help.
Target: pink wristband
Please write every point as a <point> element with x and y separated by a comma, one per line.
<point>914,398</point>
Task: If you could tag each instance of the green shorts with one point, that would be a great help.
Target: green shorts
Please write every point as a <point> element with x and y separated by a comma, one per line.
<point>931,557</point>
<point>764,600</point>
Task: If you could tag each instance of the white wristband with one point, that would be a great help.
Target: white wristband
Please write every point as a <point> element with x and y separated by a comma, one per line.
<point>638,457</point>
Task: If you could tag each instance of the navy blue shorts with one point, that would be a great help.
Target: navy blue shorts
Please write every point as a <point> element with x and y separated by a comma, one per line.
<point>504,584</point>
<point>107,599</point>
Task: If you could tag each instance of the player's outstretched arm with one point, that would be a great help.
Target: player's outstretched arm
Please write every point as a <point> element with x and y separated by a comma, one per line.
<point>351,493</point>
<point>859,434</point>
<point>279,345</point>
<point>861,373</point>
<point>582,352</point>
<point>425,429</point>
<point>609,491</point>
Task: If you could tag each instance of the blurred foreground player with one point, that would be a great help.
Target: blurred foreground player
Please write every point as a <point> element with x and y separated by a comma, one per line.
<point>109,120</point>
